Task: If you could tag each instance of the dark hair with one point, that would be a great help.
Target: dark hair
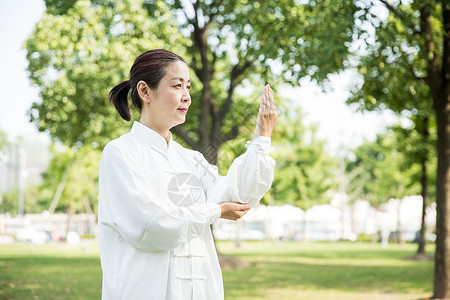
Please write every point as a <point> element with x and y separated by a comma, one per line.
<point>149,67</point>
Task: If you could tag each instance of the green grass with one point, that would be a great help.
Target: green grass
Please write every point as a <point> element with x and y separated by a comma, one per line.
<point>326,271</point>
<point>50,272</point>
<point>277,271</point>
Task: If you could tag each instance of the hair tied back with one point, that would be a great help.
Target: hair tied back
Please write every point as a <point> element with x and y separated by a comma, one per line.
<point>119,96</point>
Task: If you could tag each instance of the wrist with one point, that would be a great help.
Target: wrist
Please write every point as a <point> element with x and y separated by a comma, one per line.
<point>263,133</point>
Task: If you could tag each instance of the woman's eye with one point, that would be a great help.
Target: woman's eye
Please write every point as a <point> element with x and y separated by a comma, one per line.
<point>189,87</point>
<point>178,85</point>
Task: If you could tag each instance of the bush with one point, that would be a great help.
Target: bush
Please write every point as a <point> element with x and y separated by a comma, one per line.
<point>363,237</point>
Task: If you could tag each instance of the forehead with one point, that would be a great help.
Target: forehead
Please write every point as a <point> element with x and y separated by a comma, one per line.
<point>177,70</point>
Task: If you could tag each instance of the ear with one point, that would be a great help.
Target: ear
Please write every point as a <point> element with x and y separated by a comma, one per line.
<point>144,91</point>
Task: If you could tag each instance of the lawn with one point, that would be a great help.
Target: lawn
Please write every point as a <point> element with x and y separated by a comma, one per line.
<point>327,271</point>
<point>276,271</point>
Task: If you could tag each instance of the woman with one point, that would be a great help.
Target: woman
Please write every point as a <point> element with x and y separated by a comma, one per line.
<point>157,199</point>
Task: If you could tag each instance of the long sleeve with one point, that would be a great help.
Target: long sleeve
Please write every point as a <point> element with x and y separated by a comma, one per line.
<point>129,206</point>
<point>248,179</point>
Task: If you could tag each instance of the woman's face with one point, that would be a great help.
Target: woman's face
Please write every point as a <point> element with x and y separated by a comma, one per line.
<point>170,101</point>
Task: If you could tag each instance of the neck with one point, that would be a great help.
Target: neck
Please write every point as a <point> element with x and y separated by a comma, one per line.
<point>164,132</point>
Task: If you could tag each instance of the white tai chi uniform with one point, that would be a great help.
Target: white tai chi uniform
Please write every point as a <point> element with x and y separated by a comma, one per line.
<point>156,204</point>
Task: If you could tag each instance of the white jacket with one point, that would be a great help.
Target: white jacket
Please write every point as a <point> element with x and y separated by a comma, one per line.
<point>156,205</point>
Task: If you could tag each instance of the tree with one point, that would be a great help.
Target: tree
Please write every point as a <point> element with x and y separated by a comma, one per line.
<point>75,59</point>
<point>33,203</point>
<point>223,41</point>
<point>410,56</point>
<point>305,175</point>
<point>377,172</point>
<point>75,175</point>
<point>81,49</point>
<point>305,172</point>
<point>416,142</point>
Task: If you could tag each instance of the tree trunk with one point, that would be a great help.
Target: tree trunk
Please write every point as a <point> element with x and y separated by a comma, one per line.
<point>424,183</point>
<point>304,226</point>
<point>442,257</point>
<point>399,223</point>
<point>439,83</point>
<point>68,221</point>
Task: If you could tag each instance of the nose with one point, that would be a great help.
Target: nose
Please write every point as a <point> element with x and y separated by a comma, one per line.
<point>186,97</point>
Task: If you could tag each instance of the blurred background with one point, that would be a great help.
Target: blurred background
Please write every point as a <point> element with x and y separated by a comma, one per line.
<point>356,141</point>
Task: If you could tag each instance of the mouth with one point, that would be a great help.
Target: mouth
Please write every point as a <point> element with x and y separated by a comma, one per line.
<point>183,109</point>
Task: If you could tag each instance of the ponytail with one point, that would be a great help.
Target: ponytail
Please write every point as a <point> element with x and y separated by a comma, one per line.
<point>119,96</point>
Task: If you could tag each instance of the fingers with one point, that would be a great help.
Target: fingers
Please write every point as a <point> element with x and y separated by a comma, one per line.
<point>271,99</point>
<point>267,115</point>
<point>267,100</point>
<point>233,210</point>
<point>241,214</point>
<point>243,206</point>
<point>264,100</point>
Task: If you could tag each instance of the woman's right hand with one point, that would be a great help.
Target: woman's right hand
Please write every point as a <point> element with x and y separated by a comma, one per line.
<point>233,210</point>
<point>267,115</point>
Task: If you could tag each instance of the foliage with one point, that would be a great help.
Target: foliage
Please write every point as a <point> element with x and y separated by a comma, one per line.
<point>81,187</point>
<point>80,49</point>
<point>416,148</point>
<point>76,58</point>
<point>304,174</point>
<point>33,202</point>
<point>406,66</point>
<point>390,69</point>
<point>379,170</point>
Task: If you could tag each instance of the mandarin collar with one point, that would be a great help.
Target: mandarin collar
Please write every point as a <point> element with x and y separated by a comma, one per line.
<point>152,138</point>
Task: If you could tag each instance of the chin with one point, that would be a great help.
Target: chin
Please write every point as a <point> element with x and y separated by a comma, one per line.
<point>178,122</point>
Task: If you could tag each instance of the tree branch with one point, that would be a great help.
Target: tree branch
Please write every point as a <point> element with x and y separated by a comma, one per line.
<point>236,72</point>
<point>197,71</point>
<point>433,76</point>
<point>430,45</point>
<point>231,136</point>
<point>204,74</point>
<point>179,131</point>
<point>402,17</point>
<point>200,39</point>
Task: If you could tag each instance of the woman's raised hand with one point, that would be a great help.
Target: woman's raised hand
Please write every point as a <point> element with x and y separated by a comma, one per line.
<point>267,115</point>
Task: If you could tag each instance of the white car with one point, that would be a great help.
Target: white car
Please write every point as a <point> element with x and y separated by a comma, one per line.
<point>33,235</point>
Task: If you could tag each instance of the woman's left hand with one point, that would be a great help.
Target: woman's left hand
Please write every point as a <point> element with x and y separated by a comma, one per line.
<point>267,115</point>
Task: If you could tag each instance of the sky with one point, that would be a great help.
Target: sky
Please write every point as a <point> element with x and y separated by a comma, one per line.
<point>17,20</point>
<point>337,123</point>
